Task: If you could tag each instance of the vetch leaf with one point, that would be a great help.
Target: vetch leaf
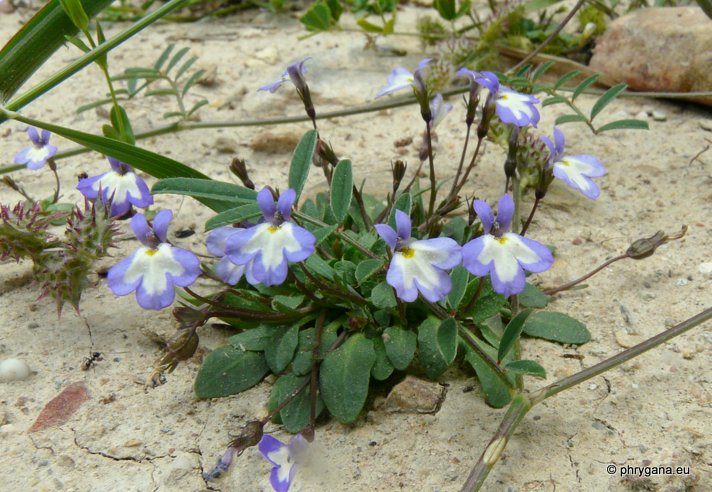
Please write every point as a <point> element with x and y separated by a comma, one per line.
<point>164,56</point>
<point>177,58</point>
<point>566,77</point>
<point>511,334</point>
<point>553,100</point>
<point>342,183</point>
<point>344,377</point>
<point>528,367</point>
<point>624,125</point>
<point>369,26</point>
<point>400,346</point>
<point>556,327</point>
<point>607,98</point>
<point>570,118</point>
<point>228,371</point>
<point>301,161</point>
<point>585,84</point>
<point>184,68</point>
<point>191,80</point>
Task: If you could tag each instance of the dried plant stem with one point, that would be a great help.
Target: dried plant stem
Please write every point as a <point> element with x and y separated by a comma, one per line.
<point>522,403</point>
<point>568,285</point>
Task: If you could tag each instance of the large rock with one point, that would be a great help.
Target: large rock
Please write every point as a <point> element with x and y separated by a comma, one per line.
<point>658,49</point>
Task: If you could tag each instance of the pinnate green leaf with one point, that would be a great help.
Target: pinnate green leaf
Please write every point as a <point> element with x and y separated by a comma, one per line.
<point>607,98</point>
<point>528,367</point>
<point>630,124</point>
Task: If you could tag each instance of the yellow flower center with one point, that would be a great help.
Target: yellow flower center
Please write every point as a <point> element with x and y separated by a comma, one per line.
<point>151,252</point>
<point>272,229</point>
<point>502,240</point>
<point>565,163</point>
<point>408,253</point>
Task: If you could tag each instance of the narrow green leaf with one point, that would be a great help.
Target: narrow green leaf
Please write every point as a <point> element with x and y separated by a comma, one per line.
<point>296,414</point>
<point>234,216</point>
<point>556,327</point>
<point>437,345</point>
<point>280,352</point>
<point>206,188</point>
<point>287,303</point>
<point>228,371</point>
<point>197,106</point>
<point>302,161</point>
<point>541,70</point>
<point>94,104</point>
<point>382,296</point>
<point>342,183</point>
<point>511,334</point>
<point>585,84</point>
<point>459,276</point>
<point>534,5</point>
<point>553,100</point>
<point>367,269</point>
<point>177,58</point>
<point>606,99</point>
<point>570,118</point>
<point>317,265</point>
<point>122,124</point>
<point>164,56</point>
<point>566,77</point>
<point>382,368</point>
<point>497,394</point>
<point>446,9</point>
<point>323,233</point>
<point>369,26</point>
<point>78,43</point>
<point>624,125</point>
<point>528,367</point>
<point>163,91</point>
<point>75,12</point>
<point>192,80</point>
<point>185,67</point>
<point>400,346</point>
<point>344,377</point>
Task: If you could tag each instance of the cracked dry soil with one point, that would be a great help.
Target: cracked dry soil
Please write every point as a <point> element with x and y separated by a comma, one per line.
<point>653,411</point>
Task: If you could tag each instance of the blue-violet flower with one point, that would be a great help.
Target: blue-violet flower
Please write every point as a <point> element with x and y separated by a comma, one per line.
<point>401,78</point>
<point>228,272</point>
<point>155,268</point>
<point>37,155</point>
<point>418,265</point>
<point>438,110</point>
<point>266,248</point>
<point>294,72</point>
<point>284,457</point>
<point>575,170</point>
<point>121,185</point>
<point>504,255</point>
<point>512,107</point>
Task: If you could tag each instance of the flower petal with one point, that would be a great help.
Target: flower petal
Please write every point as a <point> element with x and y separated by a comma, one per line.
<point>285,202</point>
<point>271,447</point>
<point>413,271</point>
<point>34,136</point>
<point>531,255</point>
<point>116,278</point>
<point>516,108</point>
<point>403,225</point>
<point>505,211</point>
<point>484,213</point>
<point>398,79</point>
<point>470,257</point>
<point>560,141</point>
<point>217,238</point>
<point>141,229</point>
<point>266,203</point>
<point>442,252</point>
<point>387,234</point>
<point>228,272</point>
<point>305,240</point>
<point>160,224</point>
<point>87,186</point>
<point>576,171</point>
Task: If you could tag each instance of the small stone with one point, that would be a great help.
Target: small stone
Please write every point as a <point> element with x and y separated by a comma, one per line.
<point>226,145</point>
<point>681,282</point>
<point>659,116</point>
<point>414,395</point>
<point>705,268</point>
<point>624,340</point>
<point>283,142</point>
<point>6,7</point>
<point>14,370</point>
<point>592,386</point>
<point>133,443</point>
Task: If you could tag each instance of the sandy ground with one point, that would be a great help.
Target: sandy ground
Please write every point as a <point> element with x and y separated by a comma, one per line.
<point>654,411</point>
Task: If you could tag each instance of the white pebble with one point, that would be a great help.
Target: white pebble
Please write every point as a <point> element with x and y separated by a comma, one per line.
<point>705,268</point>
<point>14,370</point>
<point>681,281</point>
<point>659,116</point>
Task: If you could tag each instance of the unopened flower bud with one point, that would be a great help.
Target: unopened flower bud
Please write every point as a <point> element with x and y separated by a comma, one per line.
<point>643,248</point>
<point>398,169</point>
<point>239,169</point>
<point>10,183</point>
<point>510,164</point>
<point>326,152</point>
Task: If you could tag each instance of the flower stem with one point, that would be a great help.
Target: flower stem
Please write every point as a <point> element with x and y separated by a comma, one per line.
<point>433,182</point>
<point>531,216</point>
<point>568,285</point>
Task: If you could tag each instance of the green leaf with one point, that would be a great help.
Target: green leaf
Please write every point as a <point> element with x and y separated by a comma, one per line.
<point>553,100</point>
<point>459,276</point>
<point>607,98</point>
<point>302,161</point>
<point>624,125</point>
<point>177,58</point>
<point>497,394</point>
<point>367,269</point>
<point>161,92</point>
<point>400,346</point>
<point>184,68</point>
<point>437,345</point>
<point>344,377</point>
<point>75,12</point>
<point>228,371</point>
<point>511,334</point>
<point>369,26</point>
<point>336,9</point>
<point>382,296</point>
<point>488,303</point>
<point>254,339</point>
<point>280,352</point>
<point>556,327</point>
<point>122,124</point>
<point>206,188</point>
<point>317,18</point>
<point>404,203</point>
<point>317,265</point>
<point>234,216</point>
<point>295,415</point>
<point>541,69</point>
<point>526,367</point>
<point>566,77</point>
<point>78,43</point>
<point>532,297</point>
<point>164,56</point>
<point>570,118</point>
<point>342,183</point>
<point>382,368</point>
<point>446,9</point>
<point>302,362</point>
<point>534,5</point>
<point>287,303</point>
<point>585,84</point>
<point>197,106</point>
<point>191,80</point>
